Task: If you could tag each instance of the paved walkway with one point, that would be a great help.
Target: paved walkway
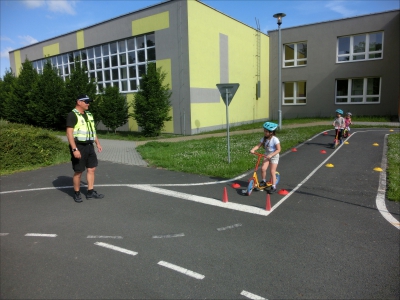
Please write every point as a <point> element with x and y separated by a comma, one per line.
<point>124,152</point>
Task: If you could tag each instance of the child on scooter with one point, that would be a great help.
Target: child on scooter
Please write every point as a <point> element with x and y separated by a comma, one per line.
<point>272,148</point>
<point>347,123</point>
<point>339,126</point>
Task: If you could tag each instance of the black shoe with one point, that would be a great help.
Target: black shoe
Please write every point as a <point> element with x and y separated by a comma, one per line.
<point>77,197</point>
<point>272,190</point>
<point>94,195</point>
<point>263,184</point>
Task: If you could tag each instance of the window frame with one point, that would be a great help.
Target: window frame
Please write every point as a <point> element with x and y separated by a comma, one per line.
<point>366,52</point>
<point>364,95</point>
<point>295,60</point>
<point>295,98</point>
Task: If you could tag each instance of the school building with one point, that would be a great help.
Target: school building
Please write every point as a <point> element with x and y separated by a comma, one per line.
<point>349,63</point>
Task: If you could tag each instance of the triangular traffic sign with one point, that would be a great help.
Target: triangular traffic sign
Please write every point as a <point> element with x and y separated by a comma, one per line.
<point>227,89</point>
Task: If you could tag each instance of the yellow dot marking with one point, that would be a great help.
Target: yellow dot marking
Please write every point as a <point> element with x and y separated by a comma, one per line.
<point>391,130</point>
<point>346,143</point>
<point>375,144</point>
<point>329,165</point>
<point>378,169</point>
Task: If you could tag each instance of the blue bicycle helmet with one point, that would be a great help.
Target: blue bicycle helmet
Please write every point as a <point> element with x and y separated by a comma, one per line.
<point>339,111</point>
<point>270,126</point>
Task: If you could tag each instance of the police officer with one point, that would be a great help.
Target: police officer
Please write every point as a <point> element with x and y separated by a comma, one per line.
<point>81,134</point>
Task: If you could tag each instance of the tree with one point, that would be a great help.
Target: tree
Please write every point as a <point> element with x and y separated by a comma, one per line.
<point>7,94</point>
<point>113,108</point>
<point>79,83</point>
<point>49,108</point>
<point>152,104</point>
<point>26,83</point>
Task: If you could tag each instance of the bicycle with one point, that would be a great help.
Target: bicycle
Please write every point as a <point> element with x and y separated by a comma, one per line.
<point>253,181</point>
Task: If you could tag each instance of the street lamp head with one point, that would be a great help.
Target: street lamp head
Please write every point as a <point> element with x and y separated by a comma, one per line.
<point>279,17</point>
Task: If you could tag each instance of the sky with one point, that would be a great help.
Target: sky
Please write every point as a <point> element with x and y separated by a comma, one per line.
<point>25,22</point>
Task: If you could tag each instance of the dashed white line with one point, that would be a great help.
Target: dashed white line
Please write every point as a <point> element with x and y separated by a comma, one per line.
<point>251,296</point>
<point>168,236</point>
<point>103,237</point>
<point>229,227</point>
<point>41,234</point>
<point>181,270</point>
<point>112,247</point>
<point>3,234</point>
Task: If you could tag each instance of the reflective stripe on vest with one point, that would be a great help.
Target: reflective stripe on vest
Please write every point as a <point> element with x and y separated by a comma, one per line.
<point>84,131</point>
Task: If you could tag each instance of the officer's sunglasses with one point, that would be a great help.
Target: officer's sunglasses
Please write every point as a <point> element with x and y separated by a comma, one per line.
<point>86,101</point>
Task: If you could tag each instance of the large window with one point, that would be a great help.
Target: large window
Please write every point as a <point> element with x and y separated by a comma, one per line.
<point>360,47</point>
<point>358,90</point>
<point>120,63</point>
<point>295,93</point>
<point>295,55</point>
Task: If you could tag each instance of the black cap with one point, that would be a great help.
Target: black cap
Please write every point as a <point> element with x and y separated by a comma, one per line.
<point>83,97</point>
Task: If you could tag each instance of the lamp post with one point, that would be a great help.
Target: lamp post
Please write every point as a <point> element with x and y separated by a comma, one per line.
<point>279,17</point>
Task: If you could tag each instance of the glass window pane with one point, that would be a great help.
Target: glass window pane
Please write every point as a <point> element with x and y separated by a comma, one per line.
<point>113,48</point>
<point>289,51</point>
<point>301,101</point>
<point>71,67</point>
<point>142,70</point>
<point>301,89</point>
<point>372,99</point>
<point>342,87</point>
<point>100,87</point>
<point>344,58</point>
<point>357,86</point>
<point>54,61</point>
<point>60,71</point>
<point>341,100</point>
<point>108,84</point>
<point>289,63</point>
<point>93,75</point>
<point>140,42</point>
<point>141,56</point>
<point>151,54</point>
<point>288,101</point>
<point>90,53</point>
<point>356,100</point>
<point>107,75</point>
<point>114,61</point>
<point>151,41</point>
<point>121,46</point>
<point>98,63</point>
<point>115,74</point>
<point>133,85</point>
<point>77,54</point>
<point>66,71</point>
<point>59,60</point>
<point>131,57</point>
<point>375,41</point>
<point>301,50</point>
<point>122,59</point>
<point>97,51</point>
<point>84,65</point>
<point>373,86</point>
<point>105,50</point>
<point>375,55</point>
<point>91,64</point>
<point>99,76</point>
<point>123,73</point>
<point>289,90</point>
<point>359,43</point>
<point>71,57</point>
<point>84,55</point>
<point>358,57</point>
<point>344,45</point>
<point>131,44</point>
<point>302,63</point>
<point>124,86</point>
<point>106,62</point>
<point>132,72</point>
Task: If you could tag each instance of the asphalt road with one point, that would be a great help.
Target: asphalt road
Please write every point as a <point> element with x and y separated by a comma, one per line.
<point>159,234</point>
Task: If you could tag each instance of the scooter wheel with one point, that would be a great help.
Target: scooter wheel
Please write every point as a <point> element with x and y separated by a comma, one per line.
<point>250,186</point>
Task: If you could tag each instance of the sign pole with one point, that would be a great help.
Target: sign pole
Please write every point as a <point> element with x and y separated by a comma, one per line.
<point>227,125</point>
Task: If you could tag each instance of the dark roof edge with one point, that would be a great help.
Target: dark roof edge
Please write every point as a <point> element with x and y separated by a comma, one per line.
<point>96,24</point>
<point>335,20</point>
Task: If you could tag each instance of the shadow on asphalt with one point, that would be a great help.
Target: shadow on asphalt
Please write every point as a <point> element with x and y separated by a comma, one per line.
<point>62,181</point>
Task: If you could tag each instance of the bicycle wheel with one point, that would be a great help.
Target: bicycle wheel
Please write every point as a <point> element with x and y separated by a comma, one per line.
<point>278,177</point>
<point>250,186</point>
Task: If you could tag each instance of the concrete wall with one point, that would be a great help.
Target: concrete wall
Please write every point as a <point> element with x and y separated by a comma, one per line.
<point>322,70</point>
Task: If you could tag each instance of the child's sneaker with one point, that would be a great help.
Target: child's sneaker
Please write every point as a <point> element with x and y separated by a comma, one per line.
<point>272,190</point>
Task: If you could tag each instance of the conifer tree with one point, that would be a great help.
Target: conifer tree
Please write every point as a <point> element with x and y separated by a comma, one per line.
<point>7,94</point>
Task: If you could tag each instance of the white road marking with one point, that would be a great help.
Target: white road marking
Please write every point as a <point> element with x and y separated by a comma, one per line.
<point>103,237</point>
<point>380,197</point>
<point>251,296</point>
<point>168,236</point>
<point>204,200</point>
<point>41,234</point>
<point>229,227</point>
<point>112,247</point>
<point>3,234</point>
<point>181,270</point>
